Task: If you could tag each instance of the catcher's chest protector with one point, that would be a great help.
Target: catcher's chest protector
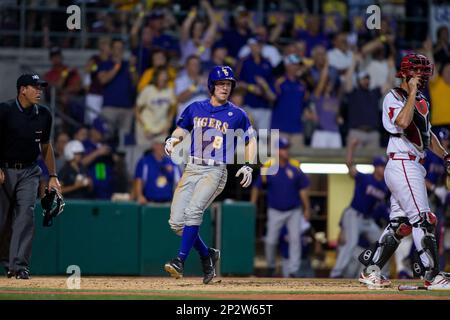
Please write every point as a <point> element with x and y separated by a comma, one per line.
<point>418,131</point>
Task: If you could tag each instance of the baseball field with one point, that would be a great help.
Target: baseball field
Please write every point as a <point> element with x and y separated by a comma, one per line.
<point>249,288</point>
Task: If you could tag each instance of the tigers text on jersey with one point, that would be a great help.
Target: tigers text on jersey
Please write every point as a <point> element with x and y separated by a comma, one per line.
<point>416,137</point>
<point>215,130</point>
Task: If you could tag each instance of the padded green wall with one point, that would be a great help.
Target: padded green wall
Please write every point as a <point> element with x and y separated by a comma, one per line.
<point>238,238</point>
<point>159,243</point>
<point>108,238</point>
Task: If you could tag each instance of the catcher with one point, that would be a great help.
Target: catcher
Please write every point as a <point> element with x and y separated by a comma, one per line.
<point>406,117</point>
<point>24,134</point>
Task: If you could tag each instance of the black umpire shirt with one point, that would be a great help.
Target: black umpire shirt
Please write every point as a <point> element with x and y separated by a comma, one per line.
<point>22,130</point>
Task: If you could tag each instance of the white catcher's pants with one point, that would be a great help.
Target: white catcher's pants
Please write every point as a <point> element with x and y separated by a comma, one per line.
<point>406,181</point>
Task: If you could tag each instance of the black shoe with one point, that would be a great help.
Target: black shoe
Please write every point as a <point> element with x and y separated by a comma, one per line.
<point>9,273</point>
<point>175,268</point>
<point>270,272</point>
<point>209,265</point>
<point>23,274</point>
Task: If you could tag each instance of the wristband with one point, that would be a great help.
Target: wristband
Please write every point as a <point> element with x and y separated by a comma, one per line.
<point>53,176</point>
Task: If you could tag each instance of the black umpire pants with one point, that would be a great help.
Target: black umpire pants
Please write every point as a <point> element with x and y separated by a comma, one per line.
<point>18,196</point>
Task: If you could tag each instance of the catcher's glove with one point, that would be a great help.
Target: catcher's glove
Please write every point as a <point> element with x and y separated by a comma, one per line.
<point>52,205</point>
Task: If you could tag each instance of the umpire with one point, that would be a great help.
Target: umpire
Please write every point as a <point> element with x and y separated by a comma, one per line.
<point>24,133</point>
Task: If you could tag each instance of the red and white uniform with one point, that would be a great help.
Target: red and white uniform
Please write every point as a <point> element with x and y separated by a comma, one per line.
<point>404,173</point>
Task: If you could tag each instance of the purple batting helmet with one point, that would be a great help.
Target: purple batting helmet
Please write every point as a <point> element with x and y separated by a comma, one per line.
<point>220,73</point>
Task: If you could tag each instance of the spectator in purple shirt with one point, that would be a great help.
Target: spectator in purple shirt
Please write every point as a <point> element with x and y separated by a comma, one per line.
<point>197,37</point>
<point>313,35</point>
<point>361,106</point>
<point>119,78</point>
<point>289,107</point>
<point>236,37</point>
<point>326,102</point>
<point>94,96</point>
<point>255,75</point>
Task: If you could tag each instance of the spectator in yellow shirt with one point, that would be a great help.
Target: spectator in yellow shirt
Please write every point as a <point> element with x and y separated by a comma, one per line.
<point>440,94</point>
<point>155,109</point>
<point>159,59</point>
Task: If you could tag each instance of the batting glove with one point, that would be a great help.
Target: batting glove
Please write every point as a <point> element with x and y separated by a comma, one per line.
<point>170,144</point>
<point>247,178</point>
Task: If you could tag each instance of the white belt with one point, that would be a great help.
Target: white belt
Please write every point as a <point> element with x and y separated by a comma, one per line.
<point>205,162</point>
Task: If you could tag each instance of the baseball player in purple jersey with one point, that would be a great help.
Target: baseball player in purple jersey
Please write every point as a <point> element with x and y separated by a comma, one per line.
<point>437,190</point>
<point>370,189</point>
<point>213,126</point>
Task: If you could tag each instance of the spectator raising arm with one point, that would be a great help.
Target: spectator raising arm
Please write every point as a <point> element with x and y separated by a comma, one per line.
<point>134,33</point>
<point>187,24</point>
<point>322,80</point>
<point>106,76</point>
<point>208,40</point>
<point>348,85</point>
<point>265,89</point>
<point>349,160</point>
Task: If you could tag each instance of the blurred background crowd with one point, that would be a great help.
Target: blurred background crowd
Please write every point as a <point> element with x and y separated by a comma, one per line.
<point>311,69</point>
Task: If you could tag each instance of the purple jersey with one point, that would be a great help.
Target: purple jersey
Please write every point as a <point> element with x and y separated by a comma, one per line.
<point>368,192</point>
<point>215,130</point>
<point>435,168</point>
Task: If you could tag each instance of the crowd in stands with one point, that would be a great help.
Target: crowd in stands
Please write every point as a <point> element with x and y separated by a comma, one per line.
<point>319,86</point>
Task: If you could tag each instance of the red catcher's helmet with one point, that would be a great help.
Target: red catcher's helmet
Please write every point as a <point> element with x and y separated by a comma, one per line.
<point>415,64</point>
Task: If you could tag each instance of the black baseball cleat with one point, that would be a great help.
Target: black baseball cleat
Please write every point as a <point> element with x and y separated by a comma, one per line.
<point>175,268</point>
<point>209,265</point>
<point>9,273</point>
<point>23,274</point>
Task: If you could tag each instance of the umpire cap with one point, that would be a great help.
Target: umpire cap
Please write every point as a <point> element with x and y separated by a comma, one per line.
<point>29,79</point>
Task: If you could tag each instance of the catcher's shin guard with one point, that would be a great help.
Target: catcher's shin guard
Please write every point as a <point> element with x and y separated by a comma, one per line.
<point>388,243</point>
<point>427,224</point>
<point>418,268</point>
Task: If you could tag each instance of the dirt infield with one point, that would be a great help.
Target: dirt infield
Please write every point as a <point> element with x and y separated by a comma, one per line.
<point>192,288</point>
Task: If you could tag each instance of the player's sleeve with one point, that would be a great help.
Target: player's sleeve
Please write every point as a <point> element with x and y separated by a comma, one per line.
<point>391,109</point>
<point>359,177</point>
<point>303,180</point>
<point>185,121</point>
<point>247,127</point>
<point>48,127</point>
<point>139,169</point>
